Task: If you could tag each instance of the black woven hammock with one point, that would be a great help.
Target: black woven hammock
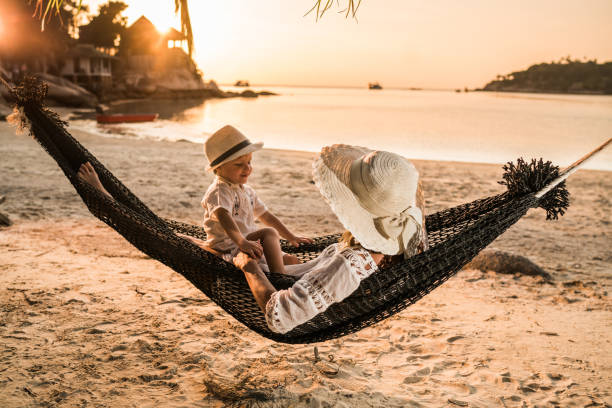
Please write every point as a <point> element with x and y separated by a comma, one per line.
<point>455,236</point>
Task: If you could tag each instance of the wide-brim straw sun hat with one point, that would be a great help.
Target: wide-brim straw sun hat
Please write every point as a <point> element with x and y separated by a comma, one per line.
<point>227,144</point>
<point>374,195</point>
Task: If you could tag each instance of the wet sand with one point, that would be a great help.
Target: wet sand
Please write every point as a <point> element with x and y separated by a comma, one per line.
<point>87,320</point>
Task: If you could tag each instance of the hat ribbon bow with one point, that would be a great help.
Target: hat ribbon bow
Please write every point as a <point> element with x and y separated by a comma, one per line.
<point>393,226</point>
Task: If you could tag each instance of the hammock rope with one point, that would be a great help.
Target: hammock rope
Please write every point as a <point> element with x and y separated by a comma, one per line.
<point>456,235</point>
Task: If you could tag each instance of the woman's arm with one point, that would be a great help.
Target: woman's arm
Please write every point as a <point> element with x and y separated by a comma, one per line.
<point>258,282</point>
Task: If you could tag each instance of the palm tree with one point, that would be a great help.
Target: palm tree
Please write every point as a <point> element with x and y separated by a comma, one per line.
<point>45,9</point>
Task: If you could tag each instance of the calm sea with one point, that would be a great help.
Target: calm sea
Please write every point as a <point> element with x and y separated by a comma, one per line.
<point>436,125</point>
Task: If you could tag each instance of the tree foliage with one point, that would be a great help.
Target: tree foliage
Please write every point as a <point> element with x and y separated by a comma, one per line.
<point>563,76</point>
<point>105,28</point>
<point>27,43</point>
<point>45,10</point>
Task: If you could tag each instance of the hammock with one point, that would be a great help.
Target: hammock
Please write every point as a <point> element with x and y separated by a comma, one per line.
<point>456,235</point>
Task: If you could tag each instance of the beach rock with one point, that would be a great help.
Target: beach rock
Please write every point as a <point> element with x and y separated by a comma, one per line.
<point>212,85</point>
<point>67,93</point>
<point>147,86</point>
<point>179,83</point>
<point>507,263</point>
<point>179,80</point>
<point>248,94</point>
<point>5,221</point>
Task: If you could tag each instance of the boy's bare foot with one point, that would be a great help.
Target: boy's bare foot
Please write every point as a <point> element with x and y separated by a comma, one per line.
<point>245,262</point>
<point>289,259</point>
<point>296,241</point>
<point>88,174</point>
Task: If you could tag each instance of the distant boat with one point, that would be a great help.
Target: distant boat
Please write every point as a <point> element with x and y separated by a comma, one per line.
<point>127,118</point>
<point>374,85</point>
<point>241,83</point>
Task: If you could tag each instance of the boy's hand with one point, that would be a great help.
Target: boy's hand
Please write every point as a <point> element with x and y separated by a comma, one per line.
<point>296,241</point>
<point>243,261</point>
<point>251,248</point>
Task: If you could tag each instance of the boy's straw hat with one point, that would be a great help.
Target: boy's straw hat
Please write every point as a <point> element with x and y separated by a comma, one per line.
<point>227,144</point>
<point>373,194</point>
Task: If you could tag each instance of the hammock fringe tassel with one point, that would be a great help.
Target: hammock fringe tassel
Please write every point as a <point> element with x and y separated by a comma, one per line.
<point>526,177</point>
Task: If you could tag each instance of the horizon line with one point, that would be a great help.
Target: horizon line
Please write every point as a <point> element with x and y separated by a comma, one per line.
<point>404,88</point>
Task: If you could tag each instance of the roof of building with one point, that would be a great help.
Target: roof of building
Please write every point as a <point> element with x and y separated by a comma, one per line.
<point>142,23</point>
<point>174,35</point>
<point>88,50</point>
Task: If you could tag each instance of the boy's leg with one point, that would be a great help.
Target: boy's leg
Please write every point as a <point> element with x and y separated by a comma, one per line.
<point>270,240</point>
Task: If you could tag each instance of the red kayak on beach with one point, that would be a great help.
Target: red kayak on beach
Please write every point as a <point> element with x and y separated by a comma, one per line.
<point>127,118</point>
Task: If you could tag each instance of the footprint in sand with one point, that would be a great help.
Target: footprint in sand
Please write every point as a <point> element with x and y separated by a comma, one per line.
<point>418,376</point>
<point>507,378</point>
<point>412,379</point>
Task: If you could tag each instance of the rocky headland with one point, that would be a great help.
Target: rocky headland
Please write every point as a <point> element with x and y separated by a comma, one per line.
<point>566,76</point>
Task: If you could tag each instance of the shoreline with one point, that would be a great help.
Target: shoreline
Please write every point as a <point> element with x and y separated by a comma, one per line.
<point>88,114</point>
<point>88,319</point>
<point>539,91</point>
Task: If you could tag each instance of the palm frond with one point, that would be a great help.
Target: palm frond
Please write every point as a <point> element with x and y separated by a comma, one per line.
<point>322,6</point>
<point>51,5</point>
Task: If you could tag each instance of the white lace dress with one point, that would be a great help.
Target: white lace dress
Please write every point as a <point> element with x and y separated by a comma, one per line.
<point>331,277</point>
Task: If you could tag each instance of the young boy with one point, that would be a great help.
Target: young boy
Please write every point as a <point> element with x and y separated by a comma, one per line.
<point>231,206</point>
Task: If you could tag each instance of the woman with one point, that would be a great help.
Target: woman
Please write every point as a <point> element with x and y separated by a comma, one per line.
<point>376,196</point>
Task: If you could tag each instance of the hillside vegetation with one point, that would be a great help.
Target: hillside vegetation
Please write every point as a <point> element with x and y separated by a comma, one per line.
<point>565,76</point>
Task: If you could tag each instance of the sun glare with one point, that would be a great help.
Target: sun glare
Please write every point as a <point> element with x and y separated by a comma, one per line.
<point>160,13</point>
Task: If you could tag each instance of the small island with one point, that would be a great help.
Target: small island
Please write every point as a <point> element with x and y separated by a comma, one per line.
<point>565,76</point>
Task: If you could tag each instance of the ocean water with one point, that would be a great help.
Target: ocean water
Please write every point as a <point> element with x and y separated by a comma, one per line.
<point>434,125</point>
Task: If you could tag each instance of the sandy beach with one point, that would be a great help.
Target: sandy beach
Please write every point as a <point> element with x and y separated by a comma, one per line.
<point>88,320</point>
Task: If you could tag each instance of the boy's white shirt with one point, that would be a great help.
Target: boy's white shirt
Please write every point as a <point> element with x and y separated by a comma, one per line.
<point>240,201</point>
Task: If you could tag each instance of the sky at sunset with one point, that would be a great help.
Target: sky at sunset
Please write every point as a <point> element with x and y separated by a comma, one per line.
<point>400,43</point>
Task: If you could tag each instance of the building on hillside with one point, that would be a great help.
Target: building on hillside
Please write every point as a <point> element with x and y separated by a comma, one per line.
<point>176,37</point>
<point>89,67</point>
<point>146,51</point>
